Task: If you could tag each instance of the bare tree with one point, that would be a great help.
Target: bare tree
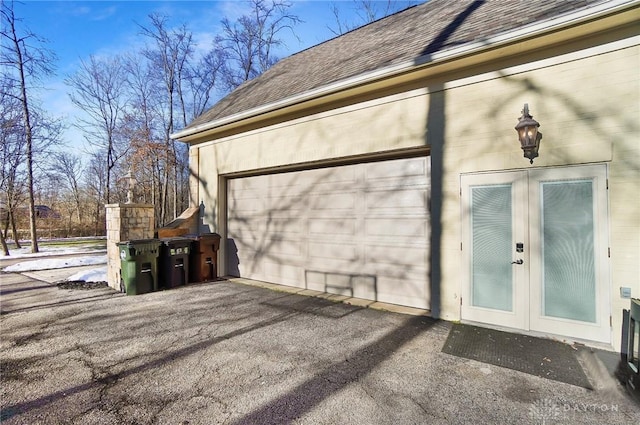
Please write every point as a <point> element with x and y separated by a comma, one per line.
<point>204,78</point>
<point>96,186</point>
<point>12,153</point>
<point>68,168</point>
<point>169,53</point>
<point>99,90</point>
<point>366,11</point>
<point>250,40</point>
<point>25,63</point>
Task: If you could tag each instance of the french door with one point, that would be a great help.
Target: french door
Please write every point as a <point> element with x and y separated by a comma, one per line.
<point>535,251</point>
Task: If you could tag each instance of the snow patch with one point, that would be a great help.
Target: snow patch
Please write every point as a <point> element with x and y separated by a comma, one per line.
<point>55,263</point>
<point>94,275</point>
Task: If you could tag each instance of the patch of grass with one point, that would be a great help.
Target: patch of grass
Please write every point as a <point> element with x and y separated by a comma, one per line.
<point>73,242</point>
<point>89,243</point>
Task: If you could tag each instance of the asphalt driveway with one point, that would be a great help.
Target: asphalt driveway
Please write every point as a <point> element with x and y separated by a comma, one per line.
<point>229,353</point>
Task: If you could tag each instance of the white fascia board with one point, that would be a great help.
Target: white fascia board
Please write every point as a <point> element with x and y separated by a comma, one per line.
<point>526,32</point>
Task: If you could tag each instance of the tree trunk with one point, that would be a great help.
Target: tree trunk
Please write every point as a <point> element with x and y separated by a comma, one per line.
<point>14,228</point>
<point>5,248</point>
<point>5,223</point>
<point>29,139</point>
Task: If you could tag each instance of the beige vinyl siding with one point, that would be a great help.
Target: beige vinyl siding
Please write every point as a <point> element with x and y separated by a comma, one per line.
<point>588,111</point>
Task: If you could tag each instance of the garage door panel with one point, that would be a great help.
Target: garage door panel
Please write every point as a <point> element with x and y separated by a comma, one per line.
<point>283,252</point>
<point>285,248</point>
<point>349,284</point>
<point>283,205</point>
<point>333,251</point>
<point>397,256</point>
<point>250,225</point>
<point>360,230</point>
<point>241,194</point>
<point>326,227</point>
<point>402,292</point>
<point>285,226</point>
<point>285,274</point>
<point>333,201</point>
<point>389,169</point>
<point>325,179</point>
<point>281,182</point>
<point>366,287</point>
<point>247,205</point>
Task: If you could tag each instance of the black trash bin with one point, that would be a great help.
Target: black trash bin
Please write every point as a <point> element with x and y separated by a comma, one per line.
<point>204,257</point>
<point>138,266</point>
<point>173,262</point>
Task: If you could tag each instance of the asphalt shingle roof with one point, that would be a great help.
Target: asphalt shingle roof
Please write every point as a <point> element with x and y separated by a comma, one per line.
<point>434,26</point>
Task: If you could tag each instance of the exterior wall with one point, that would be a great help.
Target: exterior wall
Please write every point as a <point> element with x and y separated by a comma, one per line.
<point>194,172</point>
<point>125,222</point>
<point>587,104</point>
<point>588,111</point>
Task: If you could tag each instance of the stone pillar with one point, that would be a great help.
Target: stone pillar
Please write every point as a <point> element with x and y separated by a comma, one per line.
<point>125,222</point>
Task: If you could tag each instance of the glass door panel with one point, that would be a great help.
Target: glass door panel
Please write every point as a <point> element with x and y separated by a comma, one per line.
<point>493,227</point>
<point>568,261</point>
<point>569,255</point>
<point>492,276</point>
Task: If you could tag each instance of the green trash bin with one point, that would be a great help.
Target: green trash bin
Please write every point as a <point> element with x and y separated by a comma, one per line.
<point>139,266</point>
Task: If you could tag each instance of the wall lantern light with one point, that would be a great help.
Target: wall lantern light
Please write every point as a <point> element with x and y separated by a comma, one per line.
<point>528,134</point>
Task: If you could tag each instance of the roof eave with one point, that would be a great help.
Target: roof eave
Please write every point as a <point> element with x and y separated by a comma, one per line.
<point>522,34</point>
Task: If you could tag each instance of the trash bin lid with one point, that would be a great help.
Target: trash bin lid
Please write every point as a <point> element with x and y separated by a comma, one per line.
<point>176,241</point>
<point>133,242</point>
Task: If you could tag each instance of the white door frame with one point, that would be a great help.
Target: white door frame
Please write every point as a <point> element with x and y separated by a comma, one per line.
<point>527,314</point>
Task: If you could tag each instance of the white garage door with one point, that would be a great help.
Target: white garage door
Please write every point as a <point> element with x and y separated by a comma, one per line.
<point>360,230</point>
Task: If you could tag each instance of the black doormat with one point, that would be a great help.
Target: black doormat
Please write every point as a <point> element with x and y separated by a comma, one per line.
<point>536,356</point>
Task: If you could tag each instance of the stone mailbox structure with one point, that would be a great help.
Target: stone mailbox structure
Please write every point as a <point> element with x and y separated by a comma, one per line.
<point>125,222</point>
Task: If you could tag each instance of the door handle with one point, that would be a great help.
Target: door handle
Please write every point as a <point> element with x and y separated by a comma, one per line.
<point>518,261</point>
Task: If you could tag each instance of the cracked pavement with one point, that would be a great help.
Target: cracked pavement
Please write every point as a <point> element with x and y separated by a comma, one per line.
<point>227,353</point>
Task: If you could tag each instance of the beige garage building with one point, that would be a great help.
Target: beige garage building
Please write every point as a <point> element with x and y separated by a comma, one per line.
<point>383,164</point>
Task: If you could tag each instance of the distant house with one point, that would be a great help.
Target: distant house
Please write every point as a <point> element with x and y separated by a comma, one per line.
<point>383,164</point>
<point>43,211</point>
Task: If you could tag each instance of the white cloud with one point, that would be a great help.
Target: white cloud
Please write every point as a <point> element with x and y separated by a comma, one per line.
<point>80,11</point>
<point>104,13</point>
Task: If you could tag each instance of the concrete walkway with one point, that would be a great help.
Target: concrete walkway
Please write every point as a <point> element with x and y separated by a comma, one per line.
<point>229,353</point>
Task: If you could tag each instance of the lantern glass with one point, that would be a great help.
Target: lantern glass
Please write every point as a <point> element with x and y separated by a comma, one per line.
<point>531,132</point>
<point>528,134</point>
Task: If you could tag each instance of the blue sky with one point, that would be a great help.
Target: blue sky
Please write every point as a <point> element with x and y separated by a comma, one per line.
<point>76,29</point>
